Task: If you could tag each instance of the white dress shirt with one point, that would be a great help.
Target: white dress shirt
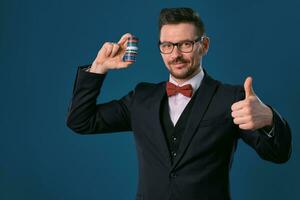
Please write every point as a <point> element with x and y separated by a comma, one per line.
<point>178,102</point>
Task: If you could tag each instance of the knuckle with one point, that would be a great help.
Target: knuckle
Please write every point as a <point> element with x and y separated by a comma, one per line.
<point>235,121</point>
<point>233,107</point>
<point>233,114</point>
<point>108,45</point>
<point>116,46</point>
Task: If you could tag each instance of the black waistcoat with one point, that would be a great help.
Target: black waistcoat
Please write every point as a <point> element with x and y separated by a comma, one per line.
<point>173,135</point>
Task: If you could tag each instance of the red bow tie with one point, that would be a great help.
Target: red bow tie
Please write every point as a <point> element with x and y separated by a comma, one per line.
<point>185,90</point>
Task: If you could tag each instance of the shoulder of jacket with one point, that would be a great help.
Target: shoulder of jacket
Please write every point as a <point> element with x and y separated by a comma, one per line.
<point>228,89</point>
<point>234,90</point>
<point>148,86</point>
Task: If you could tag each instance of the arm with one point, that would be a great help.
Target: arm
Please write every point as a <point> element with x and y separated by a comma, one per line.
<point>85,116</point>
<point>276,148</point>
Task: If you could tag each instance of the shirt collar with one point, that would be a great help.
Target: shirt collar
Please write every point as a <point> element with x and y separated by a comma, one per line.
<point>195,81</point>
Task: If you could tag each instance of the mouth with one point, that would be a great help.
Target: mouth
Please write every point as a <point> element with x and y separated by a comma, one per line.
<point>179,65</point>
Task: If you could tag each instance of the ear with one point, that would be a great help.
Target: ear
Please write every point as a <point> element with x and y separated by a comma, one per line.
<point>205,44</point>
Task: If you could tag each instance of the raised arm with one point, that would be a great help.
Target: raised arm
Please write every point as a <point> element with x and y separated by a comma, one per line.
<point>84,115</point>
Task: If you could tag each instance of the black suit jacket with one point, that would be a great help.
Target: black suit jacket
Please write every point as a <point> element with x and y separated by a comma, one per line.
<point>201,168</point>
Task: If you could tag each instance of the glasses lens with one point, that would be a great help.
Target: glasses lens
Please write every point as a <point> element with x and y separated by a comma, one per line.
<point>166,47</point>
<point>186,46</point>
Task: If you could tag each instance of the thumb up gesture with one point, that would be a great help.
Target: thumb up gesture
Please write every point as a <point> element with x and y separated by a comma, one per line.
<point>251,113</point>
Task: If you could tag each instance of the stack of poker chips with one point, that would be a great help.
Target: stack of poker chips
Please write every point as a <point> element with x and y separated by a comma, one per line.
<point>131,49</point>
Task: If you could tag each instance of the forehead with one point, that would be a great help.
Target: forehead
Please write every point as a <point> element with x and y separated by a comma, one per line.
<point>177,32</point>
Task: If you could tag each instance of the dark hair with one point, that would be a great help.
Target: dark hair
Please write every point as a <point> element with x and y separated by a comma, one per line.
<point>181,15</point>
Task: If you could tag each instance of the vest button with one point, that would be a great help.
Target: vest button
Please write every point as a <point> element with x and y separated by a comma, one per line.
<point>173,175</point>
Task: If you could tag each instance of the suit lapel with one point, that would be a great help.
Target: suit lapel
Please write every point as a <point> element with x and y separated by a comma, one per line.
<point>159,133</point>
<point>203,97</point>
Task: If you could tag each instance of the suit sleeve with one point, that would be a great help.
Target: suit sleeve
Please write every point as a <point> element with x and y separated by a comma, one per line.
<point>276,149</point>
<point>87,117</point>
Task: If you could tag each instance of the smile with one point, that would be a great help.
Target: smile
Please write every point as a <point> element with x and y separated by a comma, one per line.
<point>179,64</point>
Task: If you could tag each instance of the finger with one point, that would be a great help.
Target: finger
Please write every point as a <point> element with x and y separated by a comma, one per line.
<point>104,51</point>
<point>109,48</point>
<point>238,105</point>
<point>248,87</point>
<point>239,113</point>
<point>124,38</point>
<point>115,50</point>
<point>241,120</point>
<point>247,126</point>
<point>101,53</point>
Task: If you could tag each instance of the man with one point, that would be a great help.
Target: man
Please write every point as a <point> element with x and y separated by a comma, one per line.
<point>186,129</point>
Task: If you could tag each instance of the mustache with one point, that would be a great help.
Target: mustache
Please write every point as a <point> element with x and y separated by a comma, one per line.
<point>178,60</point>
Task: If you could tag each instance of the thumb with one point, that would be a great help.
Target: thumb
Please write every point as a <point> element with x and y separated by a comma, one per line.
<point>124,38</point>
<point>248,87</point>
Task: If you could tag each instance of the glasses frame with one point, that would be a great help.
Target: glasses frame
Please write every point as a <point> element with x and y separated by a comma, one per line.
<point>199,39</point>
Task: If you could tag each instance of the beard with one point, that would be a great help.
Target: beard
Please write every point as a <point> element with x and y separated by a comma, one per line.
<point>185,72</point>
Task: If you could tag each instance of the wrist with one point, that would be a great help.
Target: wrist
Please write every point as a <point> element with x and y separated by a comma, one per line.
<point>98,69</point>
<point>269,122</point>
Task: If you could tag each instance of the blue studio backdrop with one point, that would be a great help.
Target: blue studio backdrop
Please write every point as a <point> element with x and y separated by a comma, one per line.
<point>42,43</point>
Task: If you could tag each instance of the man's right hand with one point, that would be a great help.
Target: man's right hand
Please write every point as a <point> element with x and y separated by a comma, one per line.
<point>110,56</point>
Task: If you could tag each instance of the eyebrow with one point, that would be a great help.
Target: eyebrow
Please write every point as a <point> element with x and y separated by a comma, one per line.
<point>177,41</point>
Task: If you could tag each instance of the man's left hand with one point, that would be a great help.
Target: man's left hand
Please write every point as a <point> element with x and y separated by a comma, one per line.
<point>251,113</point>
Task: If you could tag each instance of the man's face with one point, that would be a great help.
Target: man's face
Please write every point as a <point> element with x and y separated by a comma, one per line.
<point>182,66</point>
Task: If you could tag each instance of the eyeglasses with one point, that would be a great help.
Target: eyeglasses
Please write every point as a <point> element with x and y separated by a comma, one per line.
<point>184,46</point>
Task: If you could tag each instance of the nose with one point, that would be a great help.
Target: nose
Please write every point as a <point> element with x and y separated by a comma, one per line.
<point>176,53</point>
